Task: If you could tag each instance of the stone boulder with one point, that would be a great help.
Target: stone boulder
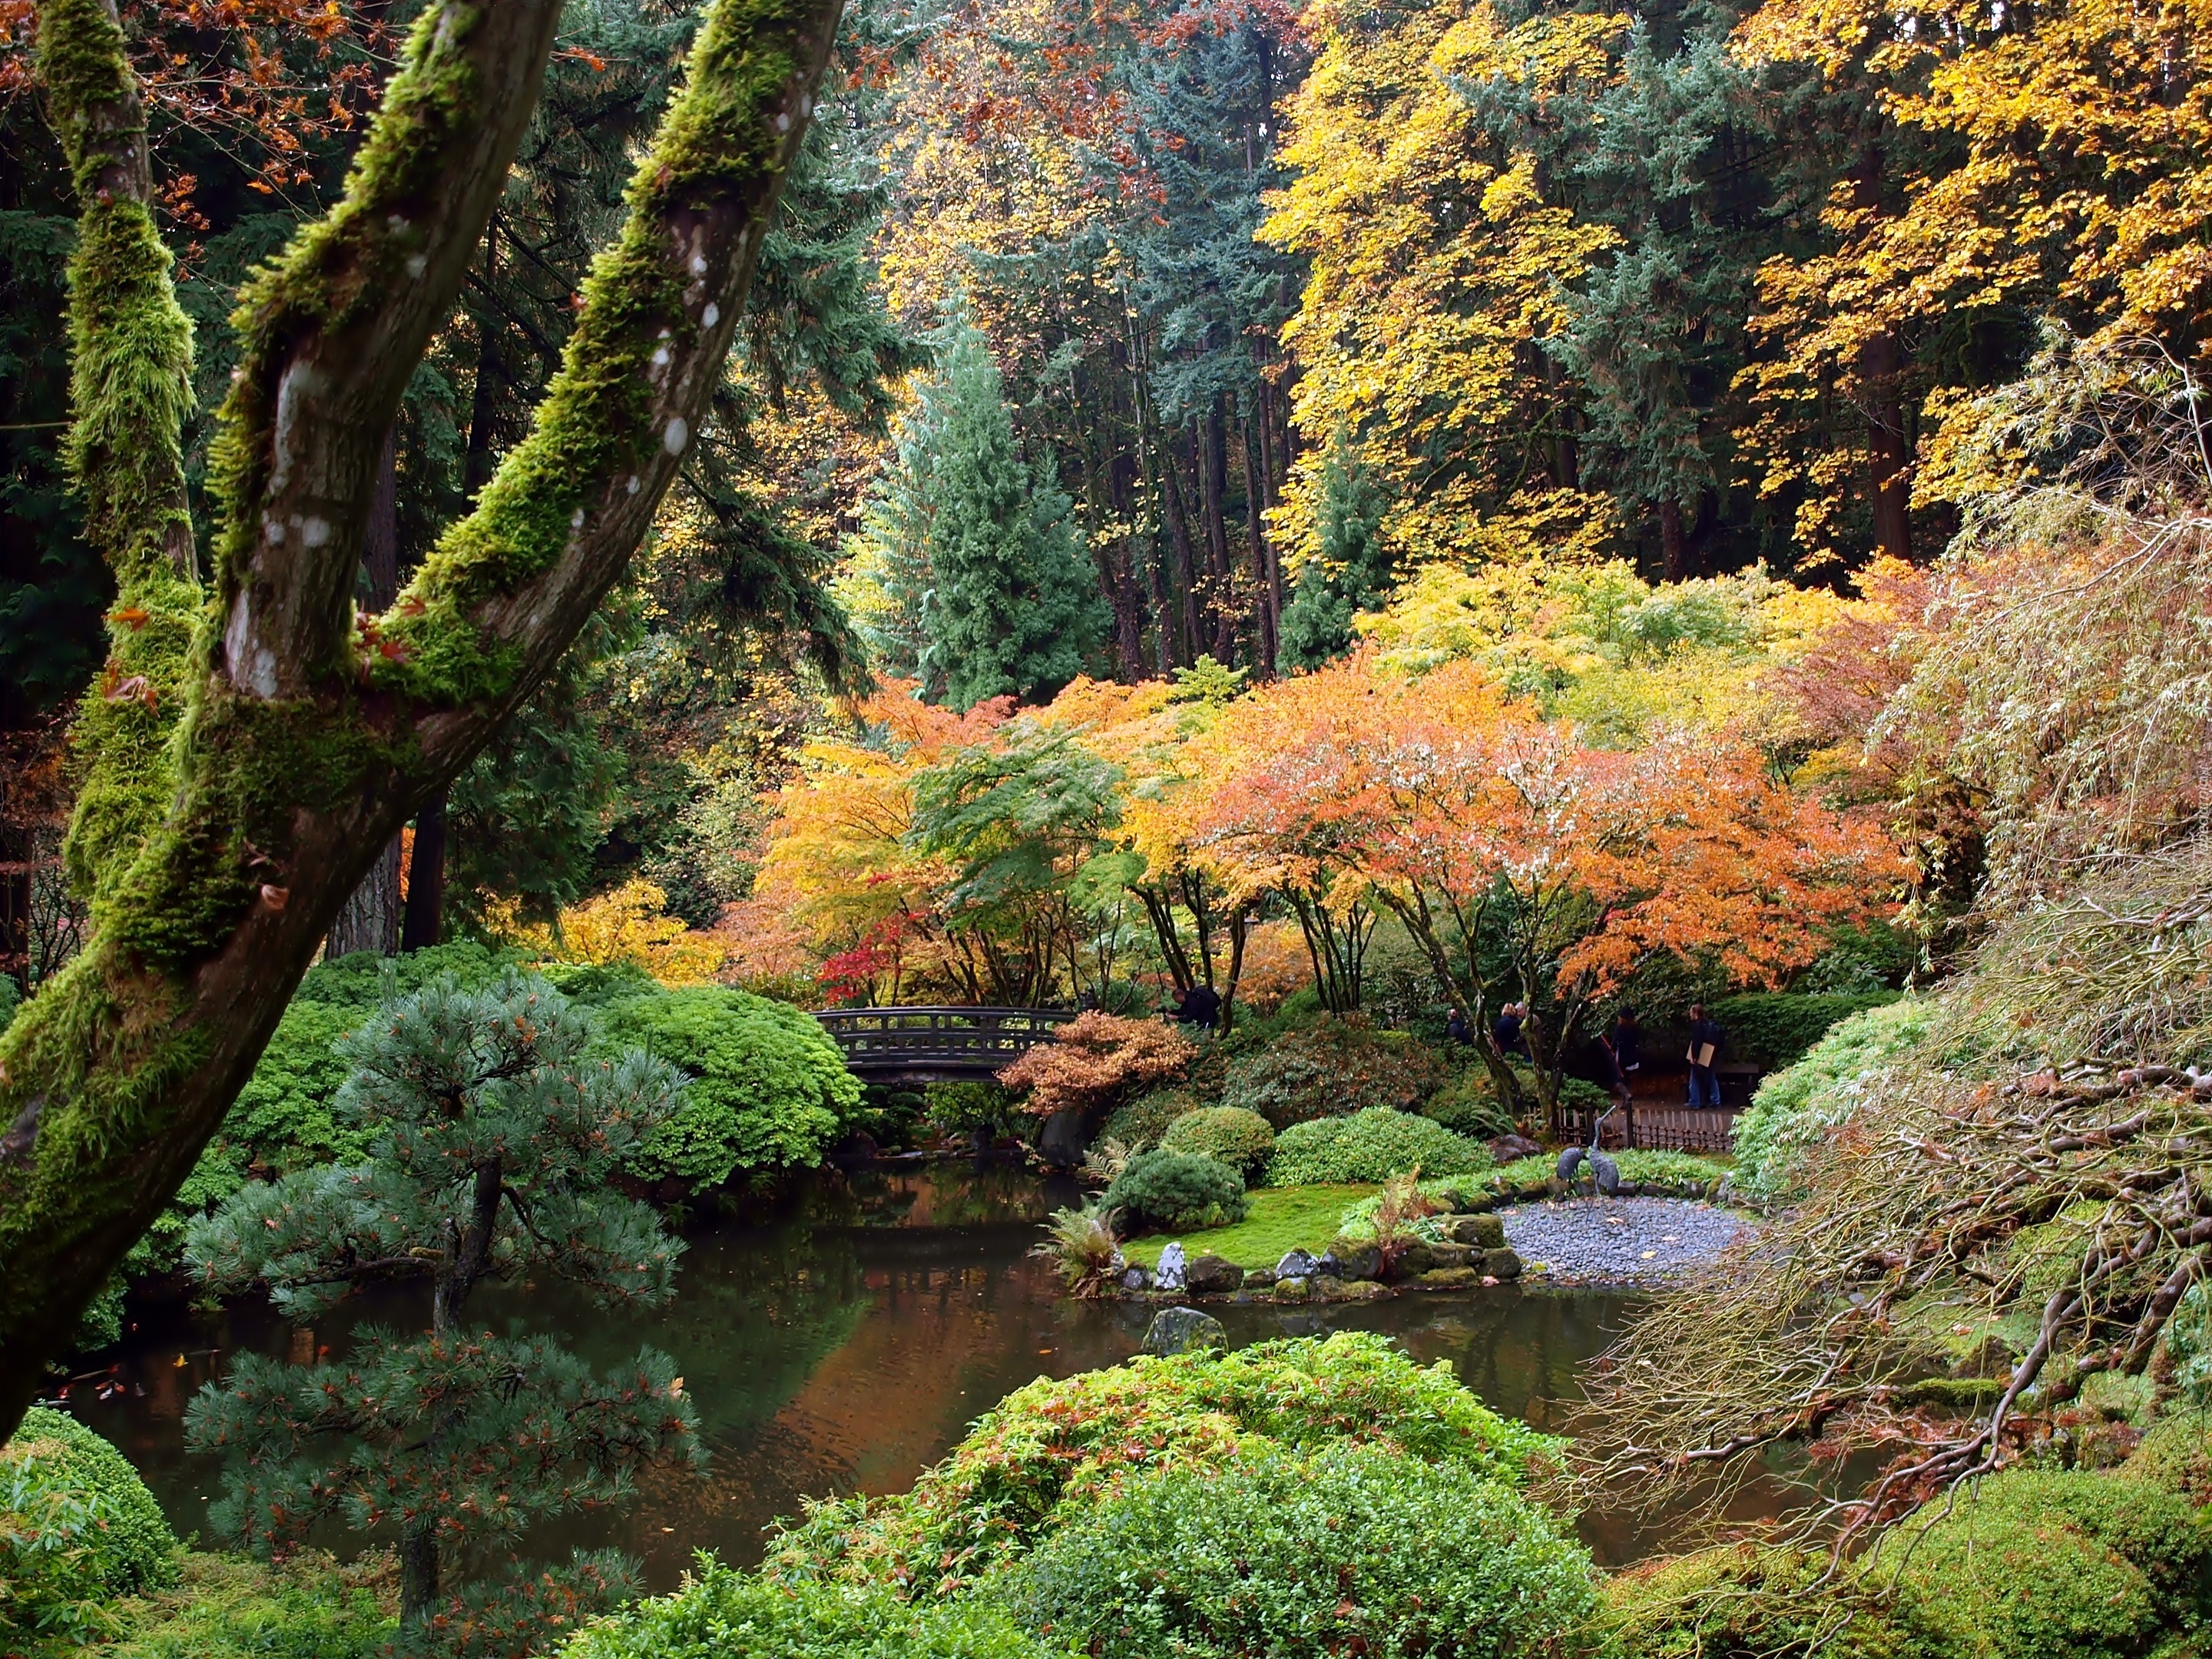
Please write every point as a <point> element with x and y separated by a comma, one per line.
<point>1502,1264</point>
<point>1184,1330</point>
<point>1259,1279</point>
<point>1414,1259</point>
<point>1167,1276</point>
<point>1448,1255</point>
<point>1509,1149</point>
<point>1135,1279</point>
<point>1358,1290</point>
<point>1290,1290</point>
<point>1211,1275</point>
<point>1486,1232</point>
<point>1296,1264</point>
<point>1325,1287</point>
<point>1357,1260</point>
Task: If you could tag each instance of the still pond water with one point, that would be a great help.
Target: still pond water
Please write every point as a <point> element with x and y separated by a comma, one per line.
<point>844,1345</point>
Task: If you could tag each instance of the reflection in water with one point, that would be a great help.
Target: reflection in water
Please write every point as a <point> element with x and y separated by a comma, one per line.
<point>844,1344</point>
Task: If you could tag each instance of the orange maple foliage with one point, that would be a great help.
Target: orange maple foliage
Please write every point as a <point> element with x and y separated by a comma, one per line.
<point>1096,1058</point>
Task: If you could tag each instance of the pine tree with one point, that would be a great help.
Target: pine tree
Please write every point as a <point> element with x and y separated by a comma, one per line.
<point>1013,609</point>
<point>496,1133</point>
<point>1351,569</point>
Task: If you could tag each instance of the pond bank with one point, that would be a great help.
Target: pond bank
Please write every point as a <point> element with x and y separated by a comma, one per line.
<point>842,1345</point>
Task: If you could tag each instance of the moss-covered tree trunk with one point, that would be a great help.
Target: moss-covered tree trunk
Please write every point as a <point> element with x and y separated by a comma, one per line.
<point>253,744</point>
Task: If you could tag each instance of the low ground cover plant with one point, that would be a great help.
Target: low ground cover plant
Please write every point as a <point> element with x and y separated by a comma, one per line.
<point>1175,1191</point>
<point>1228,1134</point>
<point>1372,1144</point>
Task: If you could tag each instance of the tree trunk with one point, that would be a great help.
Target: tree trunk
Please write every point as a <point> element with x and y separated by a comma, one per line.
<point>1674,545</point>
<point>1210,450</point>
<point>1880,396</point>
<point>307,751</point>
<point>370,919</point>
<point>1265,575</point>
<point>424,924</point>
<point>418,1575</point>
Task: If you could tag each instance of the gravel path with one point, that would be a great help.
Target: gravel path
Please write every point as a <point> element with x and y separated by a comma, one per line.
<point>1622,1241</point>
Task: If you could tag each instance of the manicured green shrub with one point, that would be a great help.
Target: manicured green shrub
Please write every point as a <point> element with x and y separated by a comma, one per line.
<point>1175,1191</point>
<point>2063,1566</point>
<point>77,1530</point>
<point>1795,1109</point>
<point>1228,1134</point>
<point>1329,1068</point>
<point>1774,1029</point>
<point>1142,1123</point>
<point>1372,1144</point>
<point>1355,1549</point>
<point>1048,1451</point>
<point>770,1090</point>
<point>724,1614</point>
<point>224,1607</point>
<point>1467,1105</point>
<point>1675,1170</point>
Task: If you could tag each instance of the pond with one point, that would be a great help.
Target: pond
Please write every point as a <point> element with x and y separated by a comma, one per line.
<point>843,1344</point>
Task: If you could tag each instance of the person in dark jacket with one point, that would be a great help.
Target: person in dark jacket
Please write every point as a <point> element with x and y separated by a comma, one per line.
<point>1707,1039</point>
<point>1200,1007</point>
<point>1507,1028</point>
<point>1456,1030</point>
<point>1624,1047</point>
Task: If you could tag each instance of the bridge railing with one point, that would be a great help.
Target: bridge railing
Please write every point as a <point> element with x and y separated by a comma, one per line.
<point>970,1039</point>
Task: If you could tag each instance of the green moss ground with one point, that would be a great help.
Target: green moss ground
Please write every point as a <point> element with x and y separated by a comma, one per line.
<point>1282,1218</point>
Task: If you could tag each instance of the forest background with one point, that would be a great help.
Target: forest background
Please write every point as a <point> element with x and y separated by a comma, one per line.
<point>1150,342</point>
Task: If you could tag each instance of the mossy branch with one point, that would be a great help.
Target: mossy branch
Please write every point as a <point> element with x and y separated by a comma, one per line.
<point>303,746</point>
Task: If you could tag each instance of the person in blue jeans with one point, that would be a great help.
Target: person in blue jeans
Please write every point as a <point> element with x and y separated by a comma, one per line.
<point>1706,1040</point>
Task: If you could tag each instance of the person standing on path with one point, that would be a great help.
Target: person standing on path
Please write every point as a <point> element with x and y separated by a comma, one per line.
<point>1624,1047</point>
<point>1706,1040</point>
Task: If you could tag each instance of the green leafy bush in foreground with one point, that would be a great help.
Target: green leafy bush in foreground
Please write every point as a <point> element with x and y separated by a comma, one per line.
<point>723,1614</point>
<point>1227,1134</point>
<point>1051,1449</point>
<point>1175,1192</point>
<point>1355,1550</point>
<point>78,1529</point>
<point>769,1089</point>
<point>1370,1146</point>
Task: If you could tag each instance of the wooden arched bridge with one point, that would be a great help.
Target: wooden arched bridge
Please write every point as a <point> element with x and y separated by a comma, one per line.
<point>937,1045</point>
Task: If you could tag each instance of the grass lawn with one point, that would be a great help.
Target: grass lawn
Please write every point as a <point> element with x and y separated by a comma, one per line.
<point>1281,1219</point>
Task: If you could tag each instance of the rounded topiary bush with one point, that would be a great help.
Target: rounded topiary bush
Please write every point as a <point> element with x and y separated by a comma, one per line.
<point>1370,1146</point>
<point>1141,1124</point>
<point>77,1529</point>
<point>1355,1550</point>
<point>1177,1191</point>
<point>770,1090</point>
<point>1228,1134</point>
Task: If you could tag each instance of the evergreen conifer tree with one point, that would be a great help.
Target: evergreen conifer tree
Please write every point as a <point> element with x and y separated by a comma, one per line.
<point>496,1133</point>
<point>1351,572</point>
<point>1013,608</point>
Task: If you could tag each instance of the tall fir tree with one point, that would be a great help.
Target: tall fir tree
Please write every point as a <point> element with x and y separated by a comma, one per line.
<point>496,1134</point>
<point>1350,570</point>
<point>1011,608</point>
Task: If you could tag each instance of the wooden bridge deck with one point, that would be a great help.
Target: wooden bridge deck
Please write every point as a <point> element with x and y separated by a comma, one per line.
<point>931,1045</point>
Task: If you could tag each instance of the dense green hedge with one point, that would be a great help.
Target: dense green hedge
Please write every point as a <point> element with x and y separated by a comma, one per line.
<point>78,1529</point>
<point>1774,1029</point>
<point>1370,1146</point>
<point>1359,1549</point>
<point>1170,1190</point>
<point>769,1089</point>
